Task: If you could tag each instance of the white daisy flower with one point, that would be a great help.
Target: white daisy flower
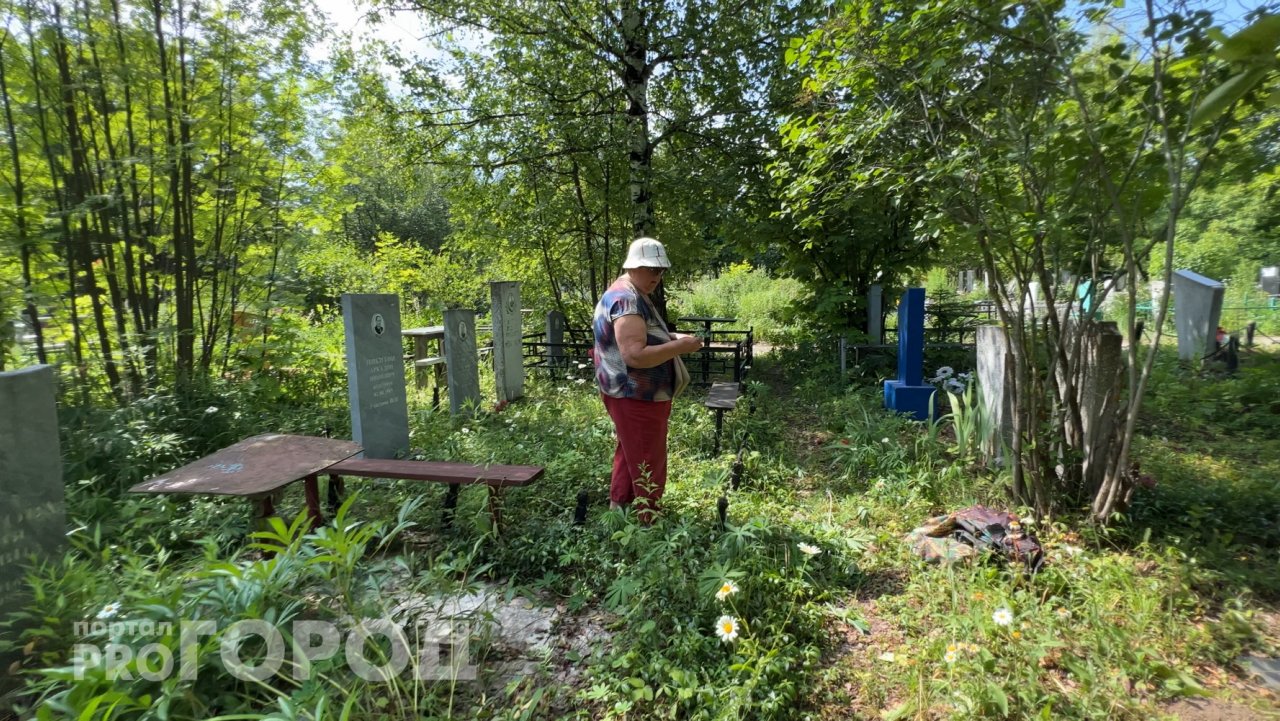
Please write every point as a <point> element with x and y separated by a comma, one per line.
<point>727,589</point>
<point>109,611</point>
<point>809,550</point>
<point>1002,617</point>
<point>945,372</point>
<point>727,629</point>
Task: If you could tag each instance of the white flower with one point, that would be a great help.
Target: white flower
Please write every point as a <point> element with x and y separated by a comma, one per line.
<point>955,386</point>
<point>884,440</point>
<point>582,365</point>
<point>945,372</point>
<point>466,430</point>
<point>727,628</point>
<point>1002,617</point>
<point>211,409</point>
<point>109,611</point>
<point>727,589</point>
<point>580,381</point>
<point>950,657</point>
<point>808,550</point>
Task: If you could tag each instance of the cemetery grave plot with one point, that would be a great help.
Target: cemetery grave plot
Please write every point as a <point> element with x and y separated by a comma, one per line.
<point>560,351</point>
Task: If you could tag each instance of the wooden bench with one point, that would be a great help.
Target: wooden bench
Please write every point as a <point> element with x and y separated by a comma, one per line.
<point>259,468</point>
<point>721,398</point>
<point>456,475</point>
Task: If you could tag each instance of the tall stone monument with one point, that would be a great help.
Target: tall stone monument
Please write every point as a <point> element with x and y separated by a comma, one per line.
<point>1197,304</point>
<point>32,511</point>
<point>555,340</point>
<point>508,351</point>
<point>875,314</point>
<point>1269,279</point>
<point>994,381</point>
<point>375,374</point>
<point>909,394</point>
<point>462,361</point>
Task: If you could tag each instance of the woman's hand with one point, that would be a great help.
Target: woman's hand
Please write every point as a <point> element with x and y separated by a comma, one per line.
<point>688,343</point>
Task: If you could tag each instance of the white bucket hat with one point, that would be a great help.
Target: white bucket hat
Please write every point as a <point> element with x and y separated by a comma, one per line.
<point>646,253</point>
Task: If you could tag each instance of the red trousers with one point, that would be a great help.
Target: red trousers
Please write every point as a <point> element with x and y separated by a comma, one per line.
<point>640,460</point>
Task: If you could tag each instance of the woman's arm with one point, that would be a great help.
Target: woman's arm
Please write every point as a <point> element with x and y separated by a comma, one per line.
<point>633,343</point>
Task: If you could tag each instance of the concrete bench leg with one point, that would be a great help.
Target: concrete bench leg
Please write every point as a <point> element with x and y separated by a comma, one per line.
<point>311,488</point>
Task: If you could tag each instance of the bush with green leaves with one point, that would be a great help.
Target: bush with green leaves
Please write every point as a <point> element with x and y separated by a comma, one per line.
<point>751,295</point>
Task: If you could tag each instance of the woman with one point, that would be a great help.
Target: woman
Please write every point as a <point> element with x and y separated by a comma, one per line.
<point>639,372</point>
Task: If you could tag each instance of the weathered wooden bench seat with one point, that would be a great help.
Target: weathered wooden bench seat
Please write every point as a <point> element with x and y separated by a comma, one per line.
<point>456,475</point>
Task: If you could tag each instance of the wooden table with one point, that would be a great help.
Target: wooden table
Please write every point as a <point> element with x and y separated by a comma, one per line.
<point>257,468</point>
<point>423,360</point>
<point>706,322</point>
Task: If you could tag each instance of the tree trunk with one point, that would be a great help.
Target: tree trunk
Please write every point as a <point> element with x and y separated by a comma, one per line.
<point>635,82</point>
<point>20,218</point>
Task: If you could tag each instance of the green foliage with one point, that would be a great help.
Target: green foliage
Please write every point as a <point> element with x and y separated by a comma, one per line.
<point>749,294</point>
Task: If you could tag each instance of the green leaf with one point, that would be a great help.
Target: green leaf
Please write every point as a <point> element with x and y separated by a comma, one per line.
<point>1224,95</point>
<point>997,697</point>
<point>1259,39</point>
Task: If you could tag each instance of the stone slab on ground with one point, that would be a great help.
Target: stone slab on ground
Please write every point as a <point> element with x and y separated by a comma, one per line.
<point>1210,709</point>
<point>1266,669</point>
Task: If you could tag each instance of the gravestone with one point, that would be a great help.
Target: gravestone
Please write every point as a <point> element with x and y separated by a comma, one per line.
<point>1157,295</point>
<point>555,339</point>
<point>1034,300</point>
<point>508,350</point>
<point>1197,303</point>
<point>994,381</point>
<point>375,374</point>
<point>32,511</point>
<point>908,394</point>
<point>875,314</point>
<point>1269,279</point>
<point>1099,393</point>
<point>462,361</point>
